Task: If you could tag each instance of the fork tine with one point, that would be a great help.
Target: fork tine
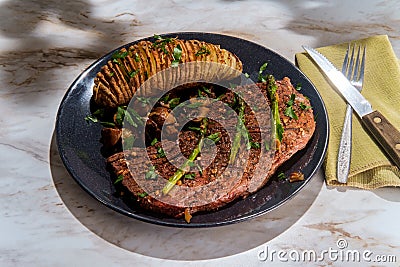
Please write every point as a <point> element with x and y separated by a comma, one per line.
<point>346,60</point>
<point>356,67</point>
<point>351,64</point>
<point>362,67</point>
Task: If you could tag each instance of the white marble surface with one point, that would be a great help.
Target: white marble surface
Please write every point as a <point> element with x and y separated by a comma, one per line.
<point>46,219</point>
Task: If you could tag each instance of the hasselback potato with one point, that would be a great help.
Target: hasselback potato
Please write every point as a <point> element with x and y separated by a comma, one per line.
<point>128,69</point>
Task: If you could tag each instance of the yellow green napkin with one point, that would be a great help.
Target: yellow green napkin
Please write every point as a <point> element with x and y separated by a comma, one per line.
<point>370,168</point>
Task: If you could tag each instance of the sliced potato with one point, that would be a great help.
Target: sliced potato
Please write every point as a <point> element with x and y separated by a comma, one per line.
<point>120,78</point>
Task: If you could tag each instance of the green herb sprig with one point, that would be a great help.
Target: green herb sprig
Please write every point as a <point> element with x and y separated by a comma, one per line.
<point>144,194</point>
<point>151,173</point>
<point>177,55</point>
<point>261,77</point>
<point>289,108</point>
<point>281,176</point>
<point>119,179</point>
<point>202,51</point>
<point>304,106</point>
<point>154,141</point>
<point>97,117</point>
<point>189,176</point>
<point>130,115</point>
<point>215,137</point>
<point>161,43</point>
<point>160,152</point>
<point>172,103</point>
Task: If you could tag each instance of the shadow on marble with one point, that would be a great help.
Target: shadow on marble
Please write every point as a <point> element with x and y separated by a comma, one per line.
<point>349,20</point>
<point>176,243</point>
<point>40,48</point>
<point>387,193</point>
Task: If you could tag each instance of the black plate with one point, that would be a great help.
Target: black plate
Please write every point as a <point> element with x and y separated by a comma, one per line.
<point>79,146</point>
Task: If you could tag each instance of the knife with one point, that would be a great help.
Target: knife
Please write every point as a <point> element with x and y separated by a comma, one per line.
<point>387,136</point>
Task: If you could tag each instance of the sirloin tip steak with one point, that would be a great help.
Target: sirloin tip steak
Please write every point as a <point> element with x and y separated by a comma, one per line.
<point>297,133</point>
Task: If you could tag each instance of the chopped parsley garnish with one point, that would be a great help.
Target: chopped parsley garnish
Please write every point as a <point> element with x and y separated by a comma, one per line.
<point>91,118</point>
<point>203,51</point>
<point>161,43</point>
<point>215,137</point>
<point>133,73</point>
<point>119,55</point>
<point>176,56</point>
<point>281,176</point>
<point>196,129</point>
<point>128,114</point>
<point>291,100</point>
<point>173,102</point>
<point>262,78</point>
<point>154,142</point>
<point>289,109</point>
<point>197,166</point>
<point>137,58</point>
<point>151,173</point>
<point>304,106</point>
<point>200,93</point>
<point>160,152</point>
<point>165,98</point>
<point>189,176</point>
<point>256,145</point>
<point>132,115</point>
<point>144,100</point>
<point>96,117</point>
<point>203,89</point>
<point>298,86</point>
<point>129,141</point>
<point>142,194</point>
<point>119,179</point>
<point>290,113</point>
<point>120,115</point>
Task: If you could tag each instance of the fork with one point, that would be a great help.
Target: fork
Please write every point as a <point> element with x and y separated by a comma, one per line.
<point>354,70</point>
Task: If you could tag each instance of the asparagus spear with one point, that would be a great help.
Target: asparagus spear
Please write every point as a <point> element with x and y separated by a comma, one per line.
<point>182,170</point>
<point>277,128</point>
<point>240,127</point>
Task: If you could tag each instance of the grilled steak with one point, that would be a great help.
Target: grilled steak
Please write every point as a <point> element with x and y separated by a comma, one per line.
<point>297,133</point>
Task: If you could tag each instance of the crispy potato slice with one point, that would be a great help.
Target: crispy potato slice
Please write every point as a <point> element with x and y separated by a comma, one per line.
<point>120,78</point>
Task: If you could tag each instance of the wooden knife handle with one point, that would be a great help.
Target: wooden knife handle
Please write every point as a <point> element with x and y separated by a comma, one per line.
<point>385,133</point>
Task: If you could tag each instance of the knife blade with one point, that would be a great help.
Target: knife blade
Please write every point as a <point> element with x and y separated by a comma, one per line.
<point>386,135</point>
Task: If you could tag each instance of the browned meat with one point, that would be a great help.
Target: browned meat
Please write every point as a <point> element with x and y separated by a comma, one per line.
<point>110,136</point>
<point>297,133</point>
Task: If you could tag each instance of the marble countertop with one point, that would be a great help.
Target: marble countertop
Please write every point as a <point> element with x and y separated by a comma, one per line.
<point>46,219</point>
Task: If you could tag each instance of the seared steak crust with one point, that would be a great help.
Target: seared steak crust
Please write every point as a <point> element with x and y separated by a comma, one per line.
<point>297,133</point>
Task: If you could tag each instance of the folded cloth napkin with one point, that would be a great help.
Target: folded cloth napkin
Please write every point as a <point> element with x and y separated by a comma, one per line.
<point>370,168</point>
